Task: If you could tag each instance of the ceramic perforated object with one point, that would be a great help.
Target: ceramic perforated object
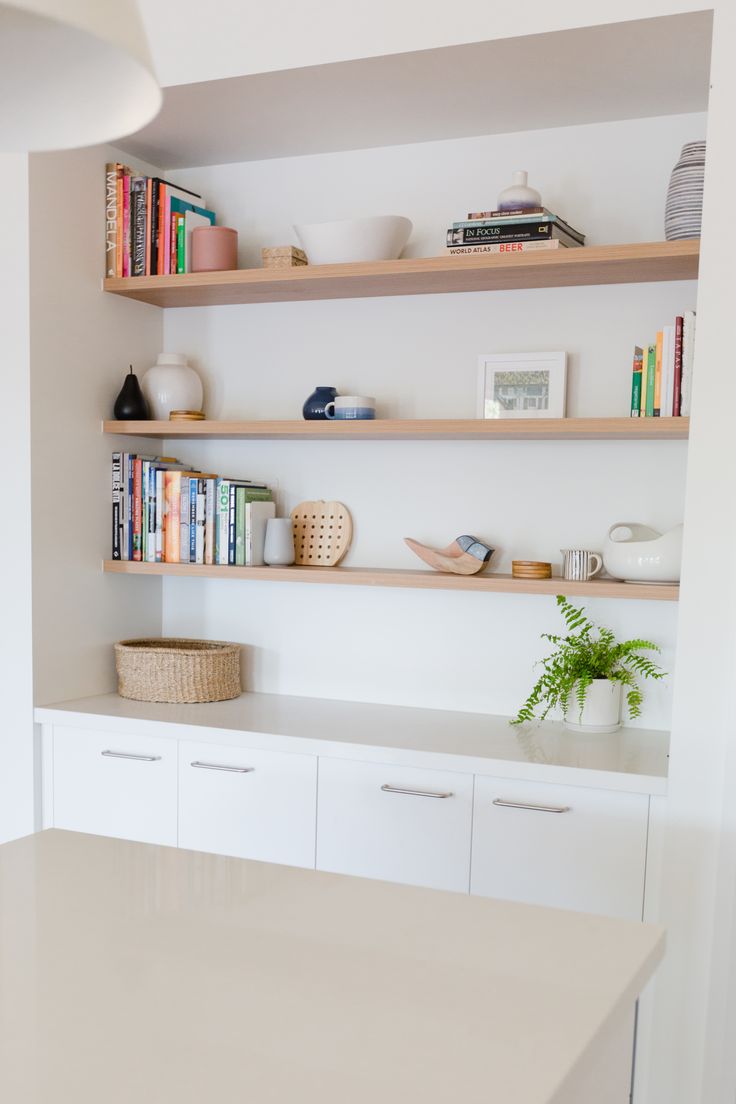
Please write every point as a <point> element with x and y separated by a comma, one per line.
<point>322,533</point>
<point>683,213</point>
<point>379,238</point>
<point>639,554</point>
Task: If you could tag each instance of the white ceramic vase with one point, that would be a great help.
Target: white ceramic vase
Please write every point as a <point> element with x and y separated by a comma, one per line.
<point>519,196</point>
<point>602,710</point>
<point>278,550</point>
<point>639,554</point>
<point>683,212</point>
<point>171,385</point>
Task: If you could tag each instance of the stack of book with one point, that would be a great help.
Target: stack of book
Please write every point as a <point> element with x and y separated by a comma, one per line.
<point>663,372</point>
<point>520,231</point>
<point>164,512</point>
<point>149,223</point>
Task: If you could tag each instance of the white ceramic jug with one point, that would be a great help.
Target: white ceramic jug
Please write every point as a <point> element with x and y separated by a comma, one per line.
<point>639,554</point>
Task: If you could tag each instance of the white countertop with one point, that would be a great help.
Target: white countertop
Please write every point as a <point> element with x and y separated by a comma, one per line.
<point>632,760</point>
<point>134,973</point>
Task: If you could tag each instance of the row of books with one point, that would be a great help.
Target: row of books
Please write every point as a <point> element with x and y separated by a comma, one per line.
<point>164,512</point>
<point>149,223</point>
<point>662,377</point>
<point>523,230</point>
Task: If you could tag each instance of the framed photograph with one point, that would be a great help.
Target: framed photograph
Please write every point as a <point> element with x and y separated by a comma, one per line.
<point>522,385</point>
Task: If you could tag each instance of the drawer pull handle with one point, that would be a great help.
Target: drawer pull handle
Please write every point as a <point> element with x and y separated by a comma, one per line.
<point>129,755</point>
<point>534,808</point>
<point>415,793</point>
<point>221,766</point>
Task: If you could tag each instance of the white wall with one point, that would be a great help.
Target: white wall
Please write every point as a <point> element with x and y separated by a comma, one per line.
<point>418,355</point>
<point>82,342</point>
<point>247,36</point>
<point>16,727</point>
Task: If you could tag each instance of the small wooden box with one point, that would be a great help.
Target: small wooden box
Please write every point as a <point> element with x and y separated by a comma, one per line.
<point>283,256</point>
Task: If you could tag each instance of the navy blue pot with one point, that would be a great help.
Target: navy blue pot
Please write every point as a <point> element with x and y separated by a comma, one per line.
<point>314,408</point>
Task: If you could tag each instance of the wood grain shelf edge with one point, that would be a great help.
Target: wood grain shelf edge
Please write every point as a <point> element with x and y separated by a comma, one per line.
<point>638,262</point>
<point>541,429</point>
<point>395,577</point>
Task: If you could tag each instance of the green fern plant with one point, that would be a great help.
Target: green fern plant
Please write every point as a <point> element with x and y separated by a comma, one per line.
<point>587,653</point>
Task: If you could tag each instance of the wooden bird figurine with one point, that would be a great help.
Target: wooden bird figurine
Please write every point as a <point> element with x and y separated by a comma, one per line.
<point>465,556</point>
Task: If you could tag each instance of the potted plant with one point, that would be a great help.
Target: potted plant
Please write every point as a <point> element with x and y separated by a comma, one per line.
<point>586,674</point>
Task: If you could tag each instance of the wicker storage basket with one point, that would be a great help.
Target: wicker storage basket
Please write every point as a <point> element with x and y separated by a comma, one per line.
<point>173,670</point>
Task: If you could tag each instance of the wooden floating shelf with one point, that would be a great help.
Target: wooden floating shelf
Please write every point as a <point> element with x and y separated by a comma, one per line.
<point>641,262</point>
<point>510,429</point>
<point>388,577</point>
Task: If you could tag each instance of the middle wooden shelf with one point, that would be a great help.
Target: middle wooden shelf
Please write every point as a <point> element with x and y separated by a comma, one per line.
<point>395,577</point>
<point>420,429</point>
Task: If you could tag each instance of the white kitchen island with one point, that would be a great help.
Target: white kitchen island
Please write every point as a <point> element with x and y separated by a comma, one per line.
<point>138,974</point>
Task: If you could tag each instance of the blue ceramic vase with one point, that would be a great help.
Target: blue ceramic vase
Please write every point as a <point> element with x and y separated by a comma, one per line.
<point>314,408</point>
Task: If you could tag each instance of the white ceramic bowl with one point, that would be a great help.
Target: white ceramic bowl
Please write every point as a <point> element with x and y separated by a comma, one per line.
<point>379,238</point>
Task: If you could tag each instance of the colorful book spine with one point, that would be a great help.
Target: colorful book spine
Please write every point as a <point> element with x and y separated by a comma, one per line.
<point>209,521</point>
<point>515,231</point>
<point>231,525</point>
<point>507,247</point>
<point>153,225</point>
<point>688,361</point>
<point>651,380</point>
<point>138,221</point>
<point>524,212</point>
<point>192,519</point>
<point>159,477</point>
<point>117,491</point>
<point>137,509</point>
<point>504,222</point>
<point>180,239</point>
<point>111,218</point>
<point>172,516</point>
<point>240,504</point>
<point>119,226</point>
<point>222,492</point>
<point>636,382</point>
<point>151,510</point>
<point>184,520</point>
<point>126,223</point>
<point>149,200</point>
<point>166,217</point>
<point>657,399</point>
<point>677,396</point>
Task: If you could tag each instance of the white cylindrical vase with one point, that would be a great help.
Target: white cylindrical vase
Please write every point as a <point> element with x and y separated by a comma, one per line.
<point>171,385</point>
<point>278,550</point>
<point>601,711</point>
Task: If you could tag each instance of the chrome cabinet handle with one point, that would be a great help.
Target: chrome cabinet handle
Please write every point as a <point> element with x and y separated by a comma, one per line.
<point>129,755</point>
<point>534,808</point>
<point>415,793</point>
<point>222,767</point>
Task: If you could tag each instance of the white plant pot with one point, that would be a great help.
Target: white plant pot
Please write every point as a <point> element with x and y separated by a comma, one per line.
<point>602,709</point>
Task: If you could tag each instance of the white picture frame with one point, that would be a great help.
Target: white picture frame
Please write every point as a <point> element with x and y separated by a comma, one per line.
<point>539,392</point>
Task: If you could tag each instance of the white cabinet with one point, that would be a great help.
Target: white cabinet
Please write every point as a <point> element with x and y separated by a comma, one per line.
<point>115,785</point>
<point>563,846</point>
<point>401,824</point>
<point>251,804</point>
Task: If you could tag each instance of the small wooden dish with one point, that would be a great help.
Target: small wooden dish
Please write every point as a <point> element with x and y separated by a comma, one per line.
<point>531,569</point>
<point>186,416</point>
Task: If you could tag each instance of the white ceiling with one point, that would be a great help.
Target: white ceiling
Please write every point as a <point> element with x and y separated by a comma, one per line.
<point>594,74</point>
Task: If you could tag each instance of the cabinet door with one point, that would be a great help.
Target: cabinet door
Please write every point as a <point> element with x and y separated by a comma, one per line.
<point>113,785</point>
<point>563,846</point>
<point>396,823</point>
<point>252,804</point>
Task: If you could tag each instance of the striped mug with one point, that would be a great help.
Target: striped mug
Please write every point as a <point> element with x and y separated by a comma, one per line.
<point>579,565</point>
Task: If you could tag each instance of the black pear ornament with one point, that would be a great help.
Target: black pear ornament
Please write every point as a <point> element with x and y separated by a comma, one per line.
<point>130,405</point>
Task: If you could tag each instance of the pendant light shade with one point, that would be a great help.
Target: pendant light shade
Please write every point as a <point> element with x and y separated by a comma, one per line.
<point>73,73</point>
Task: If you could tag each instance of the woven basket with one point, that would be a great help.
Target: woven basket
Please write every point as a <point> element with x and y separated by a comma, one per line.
<point>172,670</point>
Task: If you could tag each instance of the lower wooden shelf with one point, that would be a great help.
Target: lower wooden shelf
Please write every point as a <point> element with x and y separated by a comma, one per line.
<point>394,577</point>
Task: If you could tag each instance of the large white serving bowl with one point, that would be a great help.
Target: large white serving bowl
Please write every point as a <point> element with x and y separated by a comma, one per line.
<point>378,238</point>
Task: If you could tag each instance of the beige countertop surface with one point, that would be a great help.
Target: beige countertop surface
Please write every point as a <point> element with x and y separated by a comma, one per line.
<point>136,974</point>
<point>633,760</point>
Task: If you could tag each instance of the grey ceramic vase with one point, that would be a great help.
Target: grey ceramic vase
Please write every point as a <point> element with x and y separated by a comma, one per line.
<point>683,213</point>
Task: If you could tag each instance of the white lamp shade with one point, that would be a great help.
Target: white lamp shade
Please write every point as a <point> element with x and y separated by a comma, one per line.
<point>73,73</point>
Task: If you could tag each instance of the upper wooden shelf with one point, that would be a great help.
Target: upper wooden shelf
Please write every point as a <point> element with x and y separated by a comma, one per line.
<point>394,577</point>
<point>476,429</point>
<point>642,262</point>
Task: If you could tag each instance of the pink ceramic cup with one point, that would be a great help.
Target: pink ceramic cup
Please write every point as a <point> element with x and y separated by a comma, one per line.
<point>214,249</point>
